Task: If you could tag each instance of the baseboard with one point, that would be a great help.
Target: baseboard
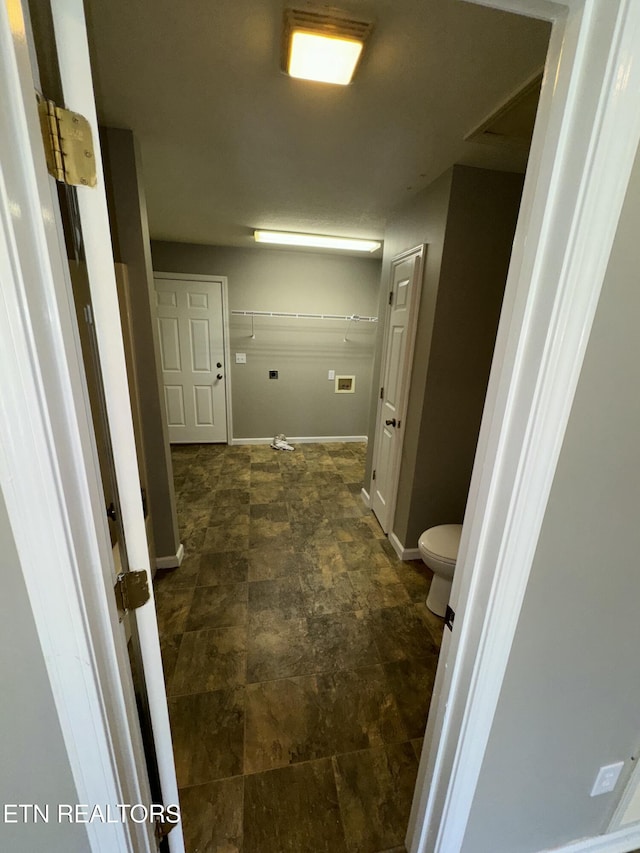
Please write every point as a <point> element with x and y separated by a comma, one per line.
<point>304,439</point>
<point>366,500</point>
<point>172,561</point>
<point>402,552</point>
<point>621,841</point>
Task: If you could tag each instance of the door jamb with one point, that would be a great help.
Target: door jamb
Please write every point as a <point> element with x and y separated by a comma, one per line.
<point>584,144</point>
<point>223,280</point>
<point>421,251</point>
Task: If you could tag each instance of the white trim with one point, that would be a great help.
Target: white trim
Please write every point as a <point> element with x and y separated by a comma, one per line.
<point>366,498</point>
<point>402,552</point>
<point>586,137</point>
<point>48,469</point>
<point>226,342</point>
<point>179,276</point>
<point>623,841</point>
<point>226,334</point>
<point>628,809</point>
<point>77,86</point>
<point>305,439</point>
<point>412,327</point>
<point>172,561</point>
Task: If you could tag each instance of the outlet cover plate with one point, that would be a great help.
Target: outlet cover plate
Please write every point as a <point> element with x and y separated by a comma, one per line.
<point>607,778</point>
<point>241,358</point>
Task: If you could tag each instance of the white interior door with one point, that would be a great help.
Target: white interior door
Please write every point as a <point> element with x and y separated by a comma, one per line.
<point>72,50</point>
<point>191,333</point>
<point>404,297</point>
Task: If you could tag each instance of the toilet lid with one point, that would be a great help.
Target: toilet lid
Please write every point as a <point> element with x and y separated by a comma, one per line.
<point>442,541</point>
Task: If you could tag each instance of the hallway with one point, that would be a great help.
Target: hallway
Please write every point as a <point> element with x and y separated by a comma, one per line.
<point>298,653</point>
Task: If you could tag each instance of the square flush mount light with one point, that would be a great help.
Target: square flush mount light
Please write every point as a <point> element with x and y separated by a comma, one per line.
<point>321,47</point>
<point>316,241</point>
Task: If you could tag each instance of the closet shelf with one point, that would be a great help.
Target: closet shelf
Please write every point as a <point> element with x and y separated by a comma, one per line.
<point>299,316</point>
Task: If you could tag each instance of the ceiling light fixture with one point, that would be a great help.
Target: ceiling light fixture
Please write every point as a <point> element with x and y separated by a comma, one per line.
<point>322,47</point>
<point>316,241</point>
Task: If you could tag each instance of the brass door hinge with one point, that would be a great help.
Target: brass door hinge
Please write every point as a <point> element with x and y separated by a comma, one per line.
<point>163,828</point>
<point>68,144</point>
<point>131,591</point>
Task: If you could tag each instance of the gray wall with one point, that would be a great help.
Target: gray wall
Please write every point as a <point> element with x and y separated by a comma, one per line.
<point>301,402</point>
<point>35,767</point>
<point>467,217</point>
<point>131,245</point>
<point>571,698</point>
<point>483,209</point>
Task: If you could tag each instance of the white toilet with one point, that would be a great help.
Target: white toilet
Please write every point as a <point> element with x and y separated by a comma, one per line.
<point>439,551</point>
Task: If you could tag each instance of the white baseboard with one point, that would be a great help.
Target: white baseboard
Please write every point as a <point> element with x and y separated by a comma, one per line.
<point>621,841</point>
<point>304,439</point>
<point>172,561</point>
<point>366,500</point>
<point>401,551</point>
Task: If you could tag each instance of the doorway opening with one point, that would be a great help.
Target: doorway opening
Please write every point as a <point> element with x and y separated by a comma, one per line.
<point>238,507</point>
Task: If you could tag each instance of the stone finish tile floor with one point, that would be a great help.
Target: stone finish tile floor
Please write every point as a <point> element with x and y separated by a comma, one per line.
<point>299,655</point>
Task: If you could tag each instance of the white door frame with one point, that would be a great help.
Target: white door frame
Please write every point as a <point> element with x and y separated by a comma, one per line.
<point>412,327</point>
<point>83,644</point>
<point>584,144</point>
<point>223,280</point>
<point>77,85</point>
<point>49,472</point>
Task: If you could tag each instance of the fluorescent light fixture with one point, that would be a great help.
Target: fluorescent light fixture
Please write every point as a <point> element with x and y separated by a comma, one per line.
<point>322,46</point>
<point>327,59</point>
<point>316,241</point>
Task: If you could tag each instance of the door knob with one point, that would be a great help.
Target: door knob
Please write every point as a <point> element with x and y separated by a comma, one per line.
<point>392,422</point>
<point>219,376</point>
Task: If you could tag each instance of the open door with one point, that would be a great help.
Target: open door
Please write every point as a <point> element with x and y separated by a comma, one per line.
<point>397,358</point>
<point>60,45</point>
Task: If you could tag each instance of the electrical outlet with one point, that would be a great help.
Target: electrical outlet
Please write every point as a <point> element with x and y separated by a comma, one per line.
<point>332,375</point>
<point>606,778</point>
<point>241,358</point>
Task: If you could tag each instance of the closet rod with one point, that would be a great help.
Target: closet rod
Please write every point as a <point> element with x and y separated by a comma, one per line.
<point>299,316</point>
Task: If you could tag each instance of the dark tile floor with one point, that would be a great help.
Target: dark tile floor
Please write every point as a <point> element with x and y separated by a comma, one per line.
<point>299,655</point>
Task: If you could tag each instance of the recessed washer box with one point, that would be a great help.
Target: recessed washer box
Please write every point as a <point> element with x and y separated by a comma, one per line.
<point>345,385</point>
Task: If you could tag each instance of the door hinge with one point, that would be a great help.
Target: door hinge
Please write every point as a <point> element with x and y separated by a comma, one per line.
<point>162,828</point>
<point>391,297</point>
<point>131,590</point>
<point>68,144</point>
<point>373,476</point>
<point>382,393</point>
<point>449,616</point>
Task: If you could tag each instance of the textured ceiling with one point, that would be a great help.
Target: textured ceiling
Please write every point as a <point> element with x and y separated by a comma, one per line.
<point>229,143</point>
